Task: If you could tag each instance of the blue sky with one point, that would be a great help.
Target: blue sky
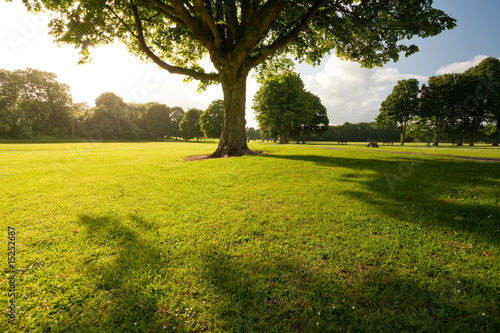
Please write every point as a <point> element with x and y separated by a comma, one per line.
<point>349,92</point>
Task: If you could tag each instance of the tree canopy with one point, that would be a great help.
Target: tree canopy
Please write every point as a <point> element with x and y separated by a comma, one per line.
<point>281,104</point>
<point>400,107</point>
<point>285,109</point>
<point>239,35</point>
<point>111,119</point>
<point>488,90</point>
<point>318,122</point>
<point>211,119</point>
<point>158,121</point>
<point>33,101</point>
<point>190,125</point>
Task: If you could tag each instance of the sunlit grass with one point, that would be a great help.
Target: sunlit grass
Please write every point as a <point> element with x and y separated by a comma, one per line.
<point>130,237</point>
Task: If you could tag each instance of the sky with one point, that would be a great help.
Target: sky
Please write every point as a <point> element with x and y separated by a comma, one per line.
<point>350,93</point>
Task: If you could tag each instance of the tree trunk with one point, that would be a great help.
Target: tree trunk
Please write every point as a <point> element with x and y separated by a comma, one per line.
<point>497,139</point>
<point>403,137</point>
<point>233,140</point>
<point>437,134</point>
<point>461,139</point>
<point>473,139</point>
<point>282,136</point>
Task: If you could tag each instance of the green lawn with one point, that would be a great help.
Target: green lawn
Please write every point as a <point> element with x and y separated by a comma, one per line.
<point>130,237</point>
<point>479,150</point>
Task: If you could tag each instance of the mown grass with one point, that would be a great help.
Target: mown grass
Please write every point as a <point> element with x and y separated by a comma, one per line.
<point>479,150</point>
<point>130,237</point>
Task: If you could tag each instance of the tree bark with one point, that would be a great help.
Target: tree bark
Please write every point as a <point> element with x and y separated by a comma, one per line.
<point>233,140</point>
<point>403,137</point>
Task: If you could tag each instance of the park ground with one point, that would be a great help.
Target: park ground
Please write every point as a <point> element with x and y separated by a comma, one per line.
<point>133,237</point>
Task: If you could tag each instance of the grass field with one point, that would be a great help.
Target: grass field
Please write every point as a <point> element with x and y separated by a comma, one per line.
<point>131,237</point>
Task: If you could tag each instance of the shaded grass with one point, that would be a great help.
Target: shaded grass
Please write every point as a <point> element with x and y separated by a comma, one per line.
<point>479,150</point>
<point>130,237</point>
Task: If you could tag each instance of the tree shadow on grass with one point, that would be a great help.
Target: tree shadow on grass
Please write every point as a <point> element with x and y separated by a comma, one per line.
<point>251,287</point>
<point>117,264</point>
<point>453,195</point>
<point>286,293</point>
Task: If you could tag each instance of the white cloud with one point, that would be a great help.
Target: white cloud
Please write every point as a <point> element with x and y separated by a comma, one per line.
<point>460,67</point>
<point>351,93</point>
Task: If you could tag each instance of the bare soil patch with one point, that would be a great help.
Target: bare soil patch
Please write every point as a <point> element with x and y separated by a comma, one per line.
<point>208,157</point>
<point>197,157</point>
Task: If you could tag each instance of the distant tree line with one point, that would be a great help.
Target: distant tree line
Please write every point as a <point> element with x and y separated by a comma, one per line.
<point>359,132</point>
<point>33,102</point>
<point>453,107</point>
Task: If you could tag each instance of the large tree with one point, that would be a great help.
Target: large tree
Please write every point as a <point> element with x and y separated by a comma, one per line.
<point>239,35</point>
<point>400,107</point>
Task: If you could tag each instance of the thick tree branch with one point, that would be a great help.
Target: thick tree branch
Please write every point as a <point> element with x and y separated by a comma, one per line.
<point>208,19</point>
<point>132,32</point>
<point>293,34</point>
<point>246,15</point>
<point>168,11</point>
<point>260,24</point>
<point>231,14</point>
<point>183,11</point>
<point>171,69</point>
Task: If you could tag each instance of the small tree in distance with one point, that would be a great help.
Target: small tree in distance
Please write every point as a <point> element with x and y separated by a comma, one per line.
<point>158,121</point>
<point>176,115</point>
<point>281,104</point>
<point>190,125</point>
<point>400,107</point>
<point>439,103</point>
<point>253,134</point>
<point>284,108</point>
<point>211,119</point>
<point>318,122</point>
